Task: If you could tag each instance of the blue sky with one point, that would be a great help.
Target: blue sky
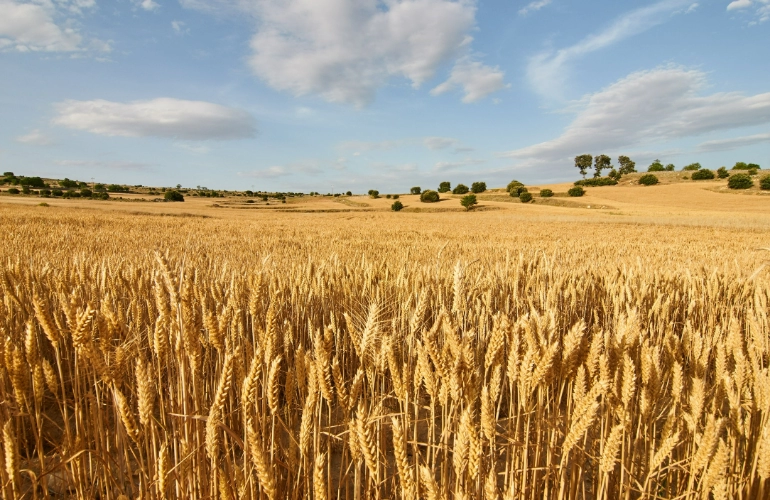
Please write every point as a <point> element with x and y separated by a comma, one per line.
<point>337,95</point>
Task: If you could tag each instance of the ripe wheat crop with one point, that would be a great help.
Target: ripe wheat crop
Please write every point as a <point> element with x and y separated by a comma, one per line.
<point>313,357</point>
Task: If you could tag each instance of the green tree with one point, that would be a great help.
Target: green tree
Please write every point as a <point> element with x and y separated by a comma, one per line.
<point>468,201</point>
<point>415,190</point>
<point>583,163</point>
<point>600,163</point>
<point>627,166</point>
<point>429,196</point>
<point>444,187</point>
<point>478,187</point>
<point>740,181</point>
<point>740,165</point>
<point>172,195</point>
<point>546,193</point>
<point>670,167</point>
<point>513,184</point>
<point>576,191</point>
<point>460,189</point>
<point>656,166</point>
<point>648,180</point>
<point>348,193</point>
<point>691,167</point>
<point>722,173</point>
<point>525,197</point>
<point>397,206</point>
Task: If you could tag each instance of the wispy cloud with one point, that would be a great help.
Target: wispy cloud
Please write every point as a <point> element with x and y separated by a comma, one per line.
<point>548,71</point>
<point>534,6</point>
<point>34,138</point>
<point>105,165</point>
<point>761,8</point>
<point>476,79</point>
<point>733,143</point>
<point>664,104</point>
<point>162,117</point>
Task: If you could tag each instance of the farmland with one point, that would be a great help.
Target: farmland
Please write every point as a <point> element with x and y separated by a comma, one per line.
<point>614,345</point>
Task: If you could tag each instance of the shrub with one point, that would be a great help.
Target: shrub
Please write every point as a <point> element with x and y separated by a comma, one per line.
<point>395,196</point>
<point>444,187</point>
<point>740,181</point>
<point>429,196</point>
<point>648,180</point>
<point>172,195</point>
<point>57,192</point>
<point>415,190</point>
<point>614,174</point>
<point>513,184</point>
<point>33,182</point>
<point>670,167</point>
<point>86,193</point>
<point>656,166</point>
<point>44,204</point>
<point>45,193</point>
<point>765,182</point>
<point>13,191</point>
<point>397,206</point>
<point>249,201</point>
<point>752,171</point>
<point>478,187</point>
<point>348,193</point>
<point>525,197</point>
<point>115,188</point>
<point>66,183</point>
<point>460,189</point>
<point>754,165</point>
<point>739,165</point>
<point>576,191</point>
<point>702,174</point>
<point>374,193</point>
<point>8,174</point>
<point>387,196</point>
<point>468,201</point>
<point>546,193</point>
<point>25,189</point>
<point>596,181</point>
<point>515,192</point>
<point>722,173</point>
<point>692,166</point>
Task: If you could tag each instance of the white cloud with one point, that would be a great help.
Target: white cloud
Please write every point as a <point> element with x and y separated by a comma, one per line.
<point>370,145</point>
<point>148,4</point>
<point>345,50</point>
<point>443,166</point>
<point>476,79</point>
<point>534,6</point>
<point>301,168</point>
<point>178,27</point>
<point>163,117</point>
<point>762,8</point>
<point>549,71</point>
<point>739,4</point>
<point>108,165</point>
<point>733,142</point>
<point>34,138</point>
<point>645,108</point>
<point>435,143</point>
<point>31,27</point>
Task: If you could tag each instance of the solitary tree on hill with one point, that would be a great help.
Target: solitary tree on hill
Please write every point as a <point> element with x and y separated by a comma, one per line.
<point>583,163</point>
<point>600,163</point>
<point>627,165</point>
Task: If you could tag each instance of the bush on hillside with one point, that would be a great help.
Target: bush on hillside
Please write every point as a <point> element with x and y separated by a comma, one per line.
<point>648,180</point>
<point>13,191</point>
<point>546,193</point>
<point>86,193</point>
<point>513,184</point>
<point>516,191</point>
<point>429,196</point>
<point>576,191</point>
<point>670,167</point>
<point>702,174</point>
<point>525,197</point>
<point>692,166</point>
<point>460,189</point>
<point>444,187</point>
<point>765,182</point>
<point>656,166</point>
<point>722,173</point>
<point>597,181</point>
<point>740,181</point>
<point>397,206</point>
<point>172,195</point>
<point>416,190</point>
<point>478,187</point>
<point>469,201</point>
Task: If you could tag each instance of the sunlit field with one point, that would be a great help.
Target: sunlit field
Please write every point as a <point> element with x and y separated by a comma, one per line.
<point>613,348</point>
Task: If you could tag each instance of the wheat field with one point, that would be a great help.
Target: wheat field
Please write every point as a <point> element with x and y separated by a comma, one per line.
<point>357,356</point>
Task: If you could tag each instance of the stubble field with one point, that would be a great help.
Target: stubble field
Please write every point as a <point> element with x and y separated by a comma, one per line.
<point>336,351</point>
